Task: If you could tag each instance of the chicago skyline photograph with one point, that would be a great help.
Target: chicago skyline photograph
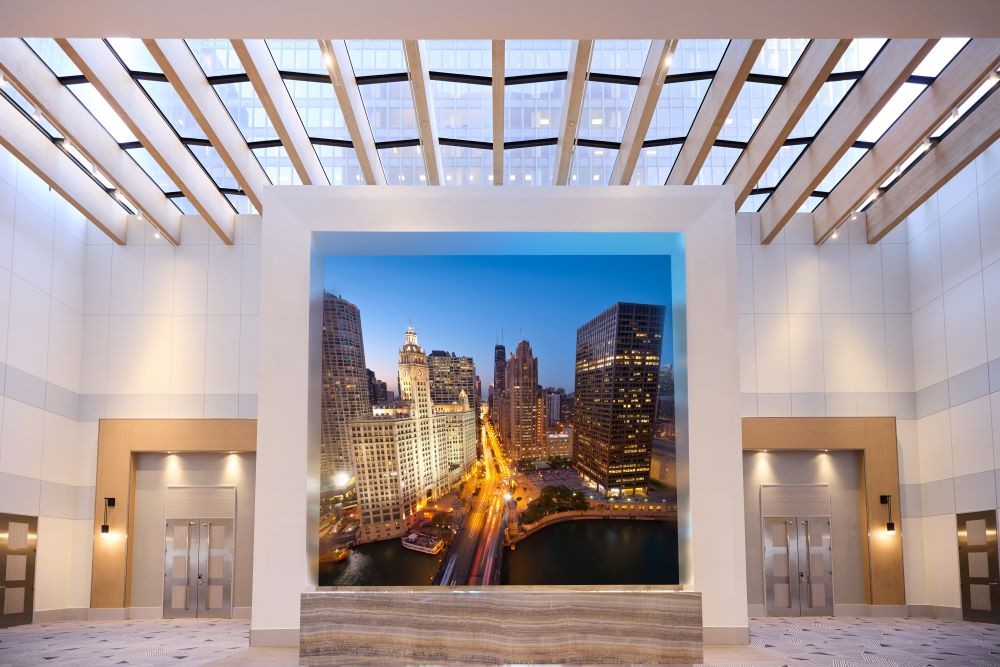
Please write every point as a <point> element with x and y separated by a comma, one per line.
<point>497,420</point>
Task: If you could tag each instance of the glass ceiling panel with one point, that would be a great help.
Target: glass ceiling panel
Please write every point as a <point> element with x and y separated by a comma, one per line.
<point>592,166</point>
<point>87,165</point>
<point>212,162</point>
<point>403,166</point>
<point>186,207</point>
<point>839,170</point>
<point>892,110</point>
<point>318,109</point>
<point>676,109</point>
<point>172,107</point>
<point>829,96</point>
<point>717,165</point>
<point>153,169</point>
<point>216,56</point>
<point>779,56</point>
<point>26,106</point>
<point>780,164</point>
<point>134,54</point>
<point>390,110</point>
<point>859,54</point>
<point>466,166</point>
<point>376,56</point>
<point>751,104</point>
<point>619,56</point>
<point>533,110</point>
<point>810,204</point>
<point>340,164</point>
<point>297,55</point>
<point>247,111</point>
<point>605,110</point>
<point>940,56</point>
<point>753,203</point>
<point>533,56</point>
<point>53,56</point>
<point>241,203</point>
<point>464,111</point>
<point>460,56</point>
<point>277,165</point>
<point>654,164</point>
<point>102,111</point>
<point>529,166</point>
<point>698,55</point>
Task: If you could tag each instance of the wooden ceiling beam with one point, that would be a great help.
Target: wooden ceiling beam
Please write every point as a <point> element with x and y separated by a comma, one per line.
<point>569,127</point>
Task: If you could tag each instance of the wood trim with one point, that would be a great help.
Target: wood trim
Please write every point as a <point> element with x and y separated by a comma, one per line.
<point>40,86</point>
<point>722,93</point>
<point>958,80</point>
<point>338,66</point>
<point>117,441</point>
<point>499,108</point>
<point>867,97</point>
<point>258,62</point>
<point>423,106</point>
<point>875,439</point>
<point>188,79</point>
<point>958,148</point>
<point>54,167</point>
<point>569,127</point>
<point>101,67</point>
<point>647,95</point>
<point>804,83</point>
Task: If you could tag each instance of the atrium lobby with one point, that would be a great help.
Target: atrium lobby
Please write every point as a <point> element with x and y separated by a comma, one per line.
<point>699,365</point>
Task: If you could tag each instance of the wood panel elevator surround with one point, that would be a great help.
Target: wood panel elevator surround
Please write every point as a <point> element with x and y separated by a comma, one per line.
<point>874,438</point>
<point>117,443</point>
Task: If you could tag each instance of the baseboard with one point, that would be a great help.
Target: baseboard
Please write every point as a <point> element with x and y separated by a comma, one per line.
<point>56,615</point>
<point>145,613</point>
<point>889,610</point>
<point>274,637</point>
<point>729,636</point>
<point>107,614</point>
<point>756,610</point>
<point>935,611</point>
<point>241,612</point>
<point>854,610</point>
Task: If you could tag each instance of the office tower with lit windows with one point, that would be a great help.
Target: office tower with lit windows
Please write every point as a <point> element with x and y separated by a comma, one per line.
<point>522,438</point>
<point>553,405</point>
<point>450,375</point>
<point>617,377</point>
<point>345,394</point>
<point>499,384</point>
<point>378,392</point>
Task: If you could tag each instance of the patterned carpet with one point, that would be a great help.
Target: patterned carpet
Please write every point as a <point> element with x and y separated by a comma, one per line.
<point>834,642</point>
<point>902,642</point>
<point>166,642</point>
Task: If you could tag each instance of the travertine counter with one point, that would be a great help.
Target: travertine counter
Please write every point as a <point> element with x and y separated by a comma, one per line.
<point>501,624</point>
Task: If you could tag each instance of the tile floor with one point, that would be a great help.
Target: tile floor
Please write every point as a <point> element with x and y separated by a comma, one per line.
<point>836,642</point>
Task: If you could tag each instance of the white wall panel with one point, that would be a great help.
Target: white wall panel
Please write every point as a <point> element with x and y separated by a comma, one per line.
<point>960,254</point>
<point>804,291</point>
<point>965,326</point>
<point>33,229</point>
<point>972,437</point>
<point>930,361</point>
<point>934,442</point>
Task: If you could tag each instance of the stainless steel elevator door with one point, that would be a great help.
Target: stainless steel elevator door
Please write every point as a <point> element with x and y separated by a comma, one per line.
<point>977,566</point>
<point>198,568</point>
<point>18,538</point>
<point>798,574</point>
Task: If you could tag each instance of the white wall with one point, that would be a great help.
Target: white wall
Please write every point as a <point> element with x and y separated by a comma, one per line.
<point>47,458</point>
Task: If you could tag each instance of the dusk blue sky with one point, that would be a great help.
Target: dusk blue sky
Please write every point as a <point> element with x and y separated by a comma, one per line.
<point>460,303</point>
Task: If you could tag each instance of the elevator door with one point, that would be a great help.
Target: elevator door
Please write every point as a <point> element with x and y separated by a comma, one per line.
<point>198,568</point>
<point>977,566</point>
<point>798,574</point>
<point>18,536</point>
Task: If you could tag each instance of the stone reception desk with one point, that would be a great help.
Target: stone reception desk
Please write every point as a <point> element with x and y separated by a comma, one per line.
<point>501,624</point>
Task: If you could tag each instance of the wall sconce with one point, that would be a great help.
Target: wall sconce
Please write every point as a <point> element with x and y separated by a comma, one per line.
<point>890,527</point>
<point>105,527</point>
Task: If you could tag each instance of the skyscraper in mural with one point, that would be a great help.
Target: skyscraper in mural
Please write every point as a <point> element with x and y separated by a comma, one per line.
<point>617,377</point>
<point>345,385</point>
<point>524,408</point>
<point>450,375</point>
<point>499,384</point>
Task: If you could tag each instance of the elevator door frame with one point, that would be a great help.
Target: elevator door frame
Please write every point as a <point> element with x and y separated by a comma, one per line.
<point>211,565</point>
<point>11,564</point>
<point>992,579</point>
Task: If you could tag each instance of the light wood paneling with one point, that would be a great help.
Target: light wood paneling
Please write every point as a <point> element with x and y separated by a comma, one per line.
<point>875,439</point>
<point>579,68</point>
<point>117,441</point>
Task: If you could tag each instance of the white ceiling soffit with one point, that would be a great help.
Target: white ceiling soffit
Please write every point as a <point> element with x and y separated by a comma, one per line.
<point>514,19</point>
